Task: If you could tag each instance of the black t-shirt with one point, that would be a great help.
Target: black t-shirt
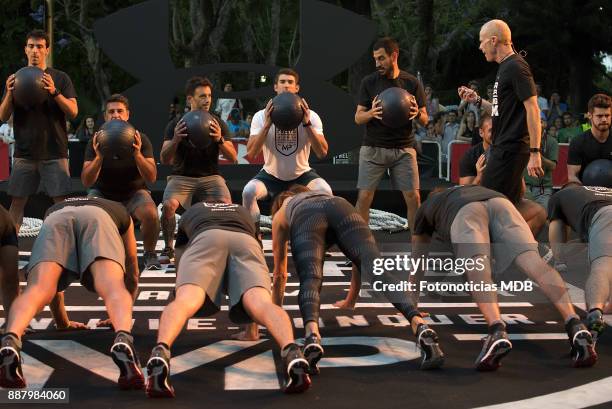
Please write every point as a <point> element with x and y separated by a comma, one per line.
<point>378,134</point>
<point>513,85</point>
<point>8,235</point>
<point>40,131</point>
<point>584,149</point>
<point>467,165</point>
<point>120,182</point>
<point>207,216</point>
<point>190,161</point>
<point>576,206</point>
<point>115,210</point>
<point>439,210</point>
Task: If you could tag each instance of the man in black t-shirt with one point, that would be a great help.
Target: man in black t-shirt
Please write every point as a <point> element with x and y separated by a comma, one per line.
<point>9,260</point>
<point>91,240</point>
<point>385,148</point>
<point>588,211</point>
<point>471,218</point>
<point>41,141</point>
<point>474,160</point>
<point>217,254</point>
<point>595,143</point>
<point>126,183</point>
<point>515,112</point>
<point>193,169</point>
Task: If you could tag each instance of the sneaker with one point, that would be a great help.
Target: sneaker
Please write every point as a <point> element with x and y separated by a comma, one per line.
<point>432,354</point>
<point>151,261</point>
<point>595,323</point>
<point>313,352</point>
<point>561,267</point>
<point>158,374</point>
<point>495,347</point>
<point>124,356</point>
<point>11,374</point>
<point>166,256</point>
<point>297,378</point>
<point>583,347</point>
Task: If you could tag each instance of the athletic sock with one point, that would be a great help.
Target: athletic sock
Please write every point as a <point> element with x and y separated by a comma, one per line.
<point>163,345</point>
<point>596,309</point>
<point>496,326</point>
<point>570,322</point>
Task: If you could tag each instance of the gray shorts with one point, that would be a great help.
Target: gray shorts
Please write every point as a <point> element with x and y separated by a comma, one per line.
<point>53,176</point>
<point>224,262</point>
<point>401,162</point>
<point>494,221</point>
<point>600,234</point>
<point>75,237</point>
<point>182,188</point>
<point>138,199</point>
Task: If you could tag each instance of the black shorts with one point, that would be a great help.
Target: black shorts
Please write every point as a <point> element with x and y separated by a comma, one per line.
<point>504,173</point>
<point>276,186</point>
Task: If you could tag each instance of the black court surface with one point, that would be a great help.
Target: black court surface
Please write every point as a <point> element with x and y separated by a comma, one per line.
<point>371,359</point>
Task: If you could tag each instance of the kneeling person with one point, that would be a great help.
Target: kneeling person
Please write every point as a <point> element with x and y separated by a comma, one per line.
<point>92,240</point>
<point>471,218</point>
<point>217,253</point>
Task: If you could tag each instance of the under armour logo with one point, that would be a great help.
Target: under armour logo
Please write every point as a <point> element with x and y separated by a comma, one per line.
<point>332,39</point>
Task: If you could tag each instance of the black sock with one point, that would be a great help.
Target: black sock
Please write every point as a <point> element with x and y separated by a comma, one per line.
<point>569,324</point>
<point>163,345</point>
<point>596,309</point>
<point>421,325</point>
<point>496,326</point>
<point>285,350</point>
<point>129,334</point>
<point>12,334</point>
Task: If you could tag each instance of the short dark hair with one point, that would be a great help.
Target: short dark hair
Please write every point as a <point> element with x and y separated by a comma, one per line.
<point>484,117</point>
<point>282,196</point>
<point>287,71</point>
<point>118,98</point>
<point>38,35</point>
<point>474,82</point>
<point>599,101</point>
<point>388,43</point>
<point>194,83</point>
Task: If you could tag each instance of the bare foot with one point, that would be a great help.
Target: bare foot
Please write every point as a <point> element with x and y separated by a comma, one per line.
<point>250,332</point>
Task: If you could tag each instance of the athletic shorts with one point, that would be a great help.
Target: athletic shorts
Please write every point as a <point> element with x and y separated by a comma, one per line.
<point>182,188</point>
<point>600,234</point>
<point>401,162</point>
<point>504,173</point>
<point>274,185</point>
<point>224,262</point>
<point>139,198</point>
<point>74,237</point>
<point>53,177</point>
<point>494,221</point>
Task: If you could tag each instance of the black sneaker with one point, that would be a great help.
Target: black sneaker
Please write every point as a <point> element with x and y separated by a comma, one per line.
<point>432,354</point>
<point>313,352</point>
<point>297,378</point>
<point>595,323</point>
<point>166,256</point>
<point>124,356</point>
<point>495,347</point>
<point>583,347</point>
<point>11,374</point>
<point>151,261</point>
<point>158,374</point>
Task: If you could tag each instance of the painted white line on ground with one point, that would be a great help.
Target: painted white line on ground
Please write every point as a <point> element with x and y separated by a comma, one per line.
<point>516,337</point>
<point>589,394</point>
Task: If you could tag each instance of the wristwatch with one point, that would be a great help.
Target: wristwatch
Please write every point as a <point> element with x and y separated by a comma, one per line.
<point>534,150</point>
<point>55,93</point>
<point>221,141</point>
<point>307,124</point>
